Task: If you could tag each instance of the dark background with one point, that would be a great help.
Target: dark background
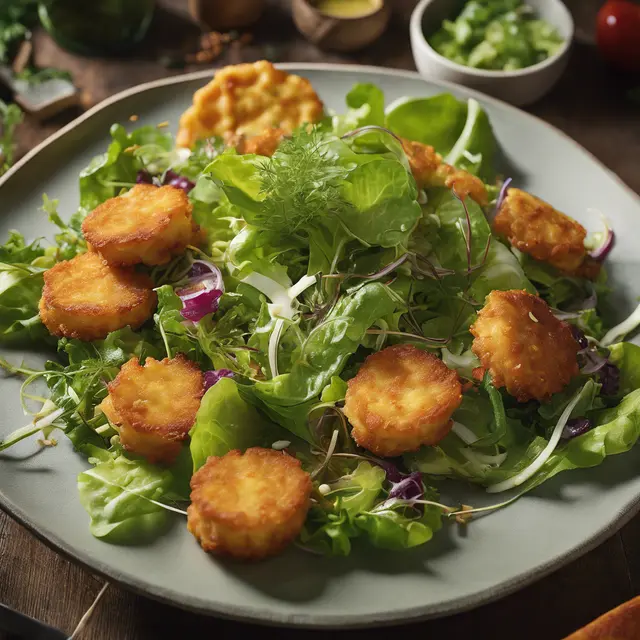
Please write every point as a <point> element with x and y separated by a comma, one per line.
<point>590,104</point>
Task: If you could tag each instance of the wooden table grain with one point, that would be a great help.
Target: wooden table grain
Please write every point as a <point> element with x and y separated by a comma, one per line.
<point>590,105</point>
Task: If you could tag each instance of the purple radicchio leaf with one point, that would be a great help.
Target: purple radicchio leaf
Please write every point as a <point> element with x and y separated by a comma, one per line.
<point>213,377</point>
<point>576,427</point>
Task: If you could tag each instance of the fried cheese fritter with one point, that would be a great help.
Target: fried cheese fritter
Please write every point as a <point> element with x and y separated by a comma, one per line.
<point>250,505</point>
<point>535,227</point>
<point>524,347</point>
<point>429,170</point>
<point>146,224</point>
<point>400,399</point>
<point>85,298</point>
<point>154,406</point>
<point>247,99</point>
<point>264,144</point>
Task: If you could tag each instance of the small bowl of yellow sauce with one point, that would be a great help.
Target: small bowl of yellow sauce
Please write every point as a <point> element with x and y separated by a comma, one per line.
<point>341,25</point>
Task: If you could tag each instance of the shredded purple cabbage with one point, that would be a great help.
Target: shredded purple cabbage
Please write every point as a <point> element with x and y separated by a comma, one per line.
<point>576,427</point>
<point>213,377</point>
<point>408,488</point>
<point>174,179</point>
<point>197,305</point>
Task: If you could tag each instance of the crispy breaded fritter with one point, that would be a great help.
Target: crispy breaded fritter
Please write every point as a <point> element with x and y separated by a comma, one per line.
<point>264,144</point>
<point>429,170</point>
<point>249,505</point>
<point>535,227</point>
<point>146,224</point>
<point>400,399</point>
<point>85,298</point>
<point>525,348</point>
<point>248,99</point>
<point>155,405</point>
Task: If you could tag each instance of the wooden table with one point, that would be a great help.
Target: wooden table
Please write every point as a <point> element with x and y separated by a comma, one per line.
<point>590,105</point>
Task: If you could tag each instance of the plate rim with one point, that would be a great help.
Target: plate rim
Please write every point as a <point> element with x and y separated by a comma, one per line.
<point>260,615</point>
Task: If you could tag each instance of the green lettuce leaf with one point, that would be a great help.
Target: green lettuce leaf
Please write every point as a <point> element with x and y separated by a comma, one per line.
<point>501,271</point>
<point>384,209</point>
<point>366,107</point>
<point>20,292</point>
<point>397,527</point>
<point>116,169</point>
<point>328,347</point>
<point>356,506</point>
<point>437,121</point>
<point>116,494</point>
<point>616,430</point>
<point>626,356</point>
<point>225,421</point>
<point>458,130</point>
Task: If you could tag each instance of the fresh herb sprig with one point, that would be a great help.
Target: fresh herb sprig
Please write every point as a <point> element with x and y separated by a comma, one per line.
<point>300,183</point>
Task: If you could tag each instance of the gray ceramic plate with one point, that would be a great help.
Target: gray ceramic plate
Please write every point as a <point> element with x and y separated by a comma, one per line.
<point>459,569</point>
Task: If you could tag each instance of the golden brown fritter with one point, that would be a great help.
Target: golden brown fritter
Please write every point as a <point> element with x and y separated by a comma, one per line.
<point>535,227</point>
<point>400,399</point>
<point>429,170</point>
<point>248,99</point>
<point>249,505</point>
<point>155,405</point>
<point>525,348</point>
<point>146,224</point>
<point>264,144</point>
<point>85,298</point>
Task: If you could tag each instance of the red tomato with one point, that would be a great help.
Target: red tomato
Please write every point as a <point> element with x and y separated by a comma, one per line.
<point>618,33</point>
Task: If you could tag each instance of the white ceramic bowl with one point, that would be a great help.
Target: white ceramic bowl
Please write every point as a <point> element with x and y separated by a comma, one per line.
<point>520,87</point>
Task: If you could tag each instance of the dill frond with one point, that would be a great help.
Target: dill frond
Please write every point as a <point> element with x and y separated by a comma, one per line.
<point>300,183</point>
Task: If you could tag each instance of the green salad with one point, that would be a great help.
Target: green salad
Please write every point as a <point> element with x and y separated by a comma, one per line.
<point>500,35</point>
<point>313,261</point>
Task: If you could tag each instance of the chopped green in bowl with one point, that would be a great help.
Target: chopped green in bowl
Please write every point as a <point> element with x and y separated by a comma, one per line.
<point>499,35</point>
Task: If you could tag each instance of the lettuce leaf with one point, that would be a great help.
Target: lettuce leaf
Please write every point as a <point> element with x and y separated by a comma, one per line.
<point>616,430</point>
<point>329,345</point>
<point>384,209</point>
<point>366,107</point>
<point>20,291</point>
<point>459,131</point>
<point>357,507</point>
<point>117,496</point>
<point>117,168</point>
<point>626,356</point>
<point>225,421</point>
